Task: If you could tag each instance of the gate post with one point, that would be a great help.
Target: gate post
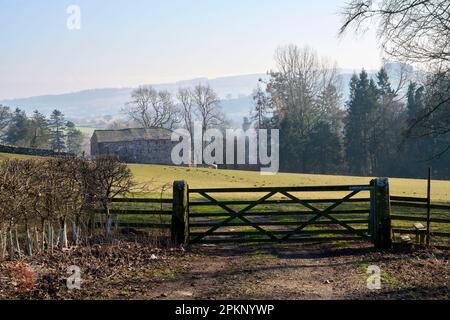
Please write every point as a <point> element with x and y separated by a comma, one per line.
<point>180,214</point>
<point>380,214</point>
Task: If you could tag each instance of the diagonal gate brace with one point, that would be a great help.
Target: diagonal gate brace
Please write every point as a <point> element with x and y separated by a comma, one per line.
<point>320,213</point>
<point>236,214</point>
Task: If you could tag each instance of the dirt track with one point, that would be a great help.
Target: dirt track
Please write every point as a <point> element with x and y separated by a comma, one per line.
<point>135,271</point>
<point>308,272</point>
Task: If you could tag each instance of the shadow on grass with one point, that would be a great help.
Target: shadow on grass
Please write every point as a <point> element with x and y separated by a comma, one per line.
<point>286,251</point>
<point>423,292</point>
<point>315,250</point>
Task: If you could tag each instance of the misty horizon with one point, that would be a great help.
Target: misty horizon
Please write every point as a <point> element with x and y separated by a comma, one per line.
<point>121,46</point>
<point>180,82</point>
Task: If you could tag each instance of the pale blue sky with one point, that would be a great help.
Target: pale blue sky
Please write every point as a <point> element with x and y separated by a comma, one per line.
<point>127,43</point>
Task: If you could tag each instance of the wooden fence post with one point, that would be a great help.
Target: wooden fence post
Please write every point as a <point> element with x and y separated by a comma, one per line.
<point>180,214</point>
<point>380,214</point>
<point>372,211</point>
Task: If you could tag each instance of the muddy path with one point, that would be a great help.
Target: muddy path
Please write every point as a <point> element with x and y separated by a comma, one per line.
<point>307,272</point>
<point>270,271</point>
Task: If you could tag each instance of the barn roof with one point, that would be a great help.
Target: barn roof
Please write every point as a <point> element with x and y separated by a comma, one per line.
<point>127,135</point>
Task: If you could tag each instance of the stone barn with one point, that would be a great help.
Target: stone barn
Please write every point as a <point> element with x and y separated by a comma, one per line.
<point>152,145</point>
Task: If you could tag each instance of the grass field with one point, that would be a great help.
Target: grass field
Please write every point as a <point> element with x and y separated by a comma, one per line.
<point>155,178</point>
<point>4,156</point>
<point>162,177</point>
<point>88,131</point>
<point>158,176</point>
<point>156,181</point>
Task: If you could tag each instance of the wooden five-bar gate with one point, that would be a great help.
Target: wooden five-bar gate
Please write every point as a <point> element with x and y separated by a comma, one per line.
<point>282,214</point>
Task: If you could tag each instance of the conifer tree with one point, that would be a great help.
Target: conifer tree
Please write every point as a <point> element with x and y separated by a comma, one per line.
<point>357,128</point>
<point>40,131</point>
<point>74,138</point>
<point>58,127</point>
<point>18,133</point>
<point>324,149</point>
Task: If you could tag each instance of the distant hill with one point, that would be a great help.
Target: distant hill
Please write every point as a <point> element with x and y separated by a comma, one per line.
<point>97,103</point>
<point>89,107</point>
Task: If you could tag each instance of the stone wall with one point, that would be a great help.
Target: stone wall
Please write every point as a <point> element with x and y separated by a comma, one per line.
<point>31,151</point>
<point>144,151</point>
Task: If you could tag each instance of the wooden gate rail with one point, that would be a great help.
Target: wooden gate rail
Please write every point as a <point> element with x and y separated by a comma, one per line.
<point>148,212</point>
<point>296,240</point>
<point>136,212</point>
<point>277,213</point>
<point>271,235</point>
<point>310,216</point>
<point>272,192</point>
<point>276,223</point>
<point>244,202</point>
<point>141,200</point>
<point>419,203</point>
<point>320,213</point>
<point>422,203</point>
<point>285,189</point>
<point>234,215</point>
<point>279,232</point>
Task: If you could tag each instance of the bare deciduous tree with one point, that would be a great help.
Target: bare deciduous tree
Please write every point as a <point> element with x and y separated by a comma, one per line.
<point>61,191</point>
<point>207,107</point>
<point>112,179</point>
<point>412,30</point>
<point>299,92</point>
<point>301,76</point>
<point>29,183</point>
<point>187,105</point>
<point>119,124</point>
<point>262,106</point>
<point>151,108</point>
<point>15,184</point>
<point>5,118</point>
<point>37,194</point>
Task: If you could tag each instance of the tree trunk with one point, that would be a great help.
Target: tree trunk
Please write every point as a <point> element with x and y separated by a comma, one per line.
<point>10,243</point>
<point>115,218</point>
<point>4,243</point>
<point>43,235</point>
<point>76,231</point>
<point>36,238</point>
<point>16,235</point>
<point>2,251</point>
<point>28,242</point>
<point>108,222</point>
<point>62,241</point>
<point>50,237</point>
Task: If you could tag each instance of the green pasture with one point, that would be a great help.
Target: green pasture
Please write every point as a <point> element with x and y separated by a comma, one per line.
<point>155,178</point>
<point>155,181</point>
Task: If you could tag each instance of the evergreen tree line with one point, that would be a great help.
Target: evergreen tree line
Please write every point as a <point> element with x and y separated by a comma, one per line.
<point>374,134</point>
<point>39,132</point>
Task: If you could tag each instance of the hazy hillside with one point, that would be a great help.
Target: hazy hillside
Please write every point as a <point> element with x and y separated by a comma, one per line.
<point>91,106</point>
<point>97,103</point>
